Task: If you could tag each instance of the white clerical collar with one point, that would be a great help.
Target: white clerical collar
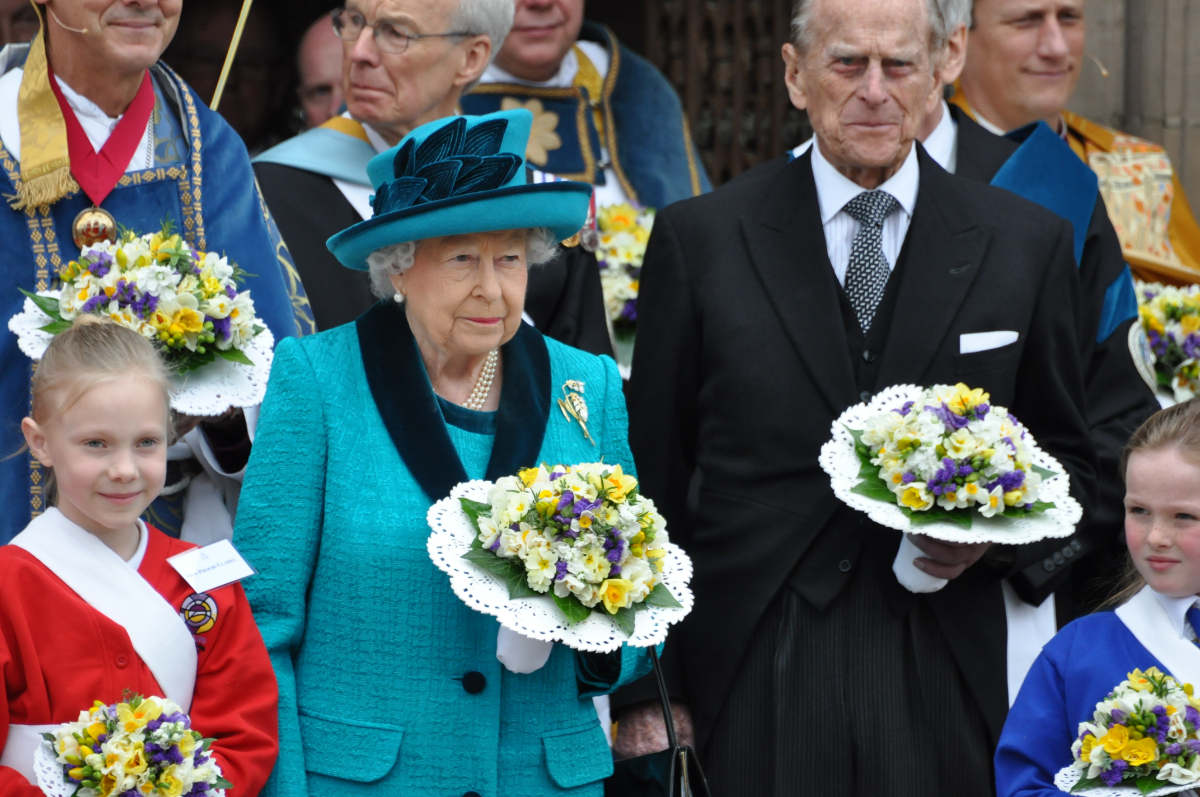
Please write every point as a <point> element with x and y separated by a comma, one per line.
<point>834,189</point>
<point>994,129</point>
<point>567,70</point>
<point>942,143</point>
<point>1177,609</point>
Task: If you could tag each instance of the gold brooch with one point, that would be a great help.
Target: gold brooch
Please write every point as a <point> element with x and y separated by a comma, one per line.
<point>573,405</point>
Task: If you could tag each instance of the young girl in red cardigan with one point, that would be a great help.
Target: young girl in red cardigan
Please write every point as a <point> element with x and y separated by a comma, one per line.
<point>89,606</point>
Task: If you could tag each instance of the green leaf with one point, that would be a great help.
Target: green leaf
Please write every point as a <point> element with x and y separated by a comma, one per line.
<point>936,514</point>
<point>875,489</point>
<point>1044,472</point>
<point>222,783</point>
<point>1164,379</point>
<point>511,571</point>
<point>661,596</point>
<point>1019,511</point>
<point>47,304</point>
<point>570,606</point>
<point>625,619</point>
<point>1148,783</point>
<point>1087,783</point>
<point>474,510</point>
<point>56,327</point>
<point>235,356</point>
<point>48,737</point>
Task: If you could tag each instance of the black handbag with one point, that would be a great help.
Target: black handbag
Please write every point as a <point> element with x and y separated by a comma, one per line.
<point>674,772</point>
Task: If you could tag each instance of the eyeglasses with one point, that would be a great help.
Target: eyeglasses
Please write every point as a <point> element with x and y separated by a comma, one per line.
<point>389,37</point>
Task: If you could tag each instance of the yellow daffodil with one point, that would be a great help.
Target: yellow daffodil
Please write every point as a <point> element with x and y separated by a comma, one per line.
<point>965,399</point>
<point>1189,324</point>
<point>615,594</point>
<point>916,497</point>
<point>1143,751</point>
<point>171,782</point>
<point>618,218</point>
<point>619,484</point>
<point>529,476</point>
<point>134,719</point>
<point>1141,681</point>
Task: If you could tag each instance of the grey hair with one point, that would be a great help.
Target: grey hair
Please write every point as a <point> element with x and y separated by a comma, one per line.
<point>956,12</point>
<point>802,17</point>
<point>541,246</point>
<point>491,18</point>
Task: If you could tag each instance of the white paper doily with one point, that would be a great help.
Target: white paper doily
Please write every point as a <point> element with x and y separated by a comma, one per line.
<point>53,783</point>
<point>840,461</point>
<point>207,391</point>
<point>1068,776</point>
<point>540,618</point>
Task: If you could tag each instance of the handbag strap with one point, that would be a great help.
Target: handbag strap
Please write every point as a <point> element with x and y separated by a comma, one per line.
<point>666,701</point>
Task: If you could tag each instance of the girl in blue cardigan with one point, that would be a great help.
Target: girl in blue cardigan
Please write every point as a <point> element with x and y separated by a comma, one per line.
<point>1156,625</point>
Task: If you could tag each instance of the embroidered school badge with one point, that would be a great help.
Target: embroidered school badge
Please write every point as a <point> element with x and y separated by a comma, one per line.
<point>199,611</point>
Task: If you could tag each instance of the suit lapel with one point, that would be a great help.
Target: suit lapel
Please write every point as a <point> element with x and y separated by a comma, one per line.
<point>406,401</point>
<point>409,408</point>
<point>788,252</point>
<point>524,404</point>
<point>945,252</point>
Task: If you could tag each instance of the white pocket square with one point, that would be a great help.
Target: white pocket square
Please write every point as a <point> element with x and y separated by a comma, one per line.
<point>985,341</point>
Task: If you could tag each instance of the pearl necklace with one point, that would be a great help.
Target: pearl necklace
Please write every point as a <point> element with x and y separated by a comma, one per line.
<point>483,386</point>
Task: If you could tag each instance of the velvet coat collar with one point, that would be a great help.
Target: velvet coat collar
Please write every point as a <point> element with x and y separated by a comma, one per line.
<point>408,406</point>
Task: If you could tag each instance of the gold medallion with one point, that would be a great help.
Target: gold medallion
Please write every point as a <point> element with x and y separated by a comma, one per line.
<point>92,226</point>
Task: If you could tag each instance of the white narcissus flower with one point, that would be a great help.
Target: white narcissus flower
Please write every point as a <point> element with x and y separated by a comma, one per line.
<point>488,532</point>
<point>219,266</point>
<point>992,503</point>
<point>1177,774</point>
<point>219,306</point>
<point>962,444</point>
<point>540,566</point>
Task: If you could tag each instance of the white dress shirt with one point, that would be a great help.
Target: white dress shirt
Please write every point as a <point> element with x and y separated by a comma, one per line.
<point>1177,609</point>
<point>95,122</point>
<point>942,144</point>
<point>835,190</point>
<point>358,195</point>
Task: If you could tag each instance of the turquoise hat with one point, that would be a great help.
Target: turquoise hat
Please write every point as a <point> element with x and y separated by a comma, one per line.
<point>459,175</point>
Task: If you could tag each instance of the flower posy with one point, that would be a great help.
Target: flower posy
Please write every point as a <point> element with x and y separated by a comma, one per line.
<point>143,747</point>
<point>624,232</point>
<point>584,534</point>
<point>1144,732</point>
<point>948,454</point>
<point>186,301</point>
<point>1171,318</point>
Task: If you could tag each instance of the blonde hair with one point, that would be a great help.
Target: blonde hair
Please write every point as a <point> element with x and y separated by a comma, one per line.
<point>1176,427</point>
<point>92,351</point>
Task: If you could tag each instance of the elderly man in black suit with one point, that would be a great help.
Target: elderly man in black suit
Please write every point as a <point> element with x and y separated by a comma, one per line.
<point>768,308</point>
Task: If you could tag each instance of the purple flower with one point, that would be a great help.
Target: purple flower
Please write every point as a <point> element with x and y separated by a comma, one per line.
<point>981,410</point>
<point>495,546</point>
<point>561,567</point>
<point>614,555</point>
<point>230,291</point>
<point>566,500</point>
<point>1160,711</point>
<point>951,420</point>
<point>1192,716</point>
<point>222,327</point>
<point>1174,749</point>
<point>1193,745</point>
<point>558,474</point>
<point>92,303</point>
<point>908,478</point>
<point>614,571</point>
<point>629,311</point>
<point>1118,716</point>
<point>1112,776</point>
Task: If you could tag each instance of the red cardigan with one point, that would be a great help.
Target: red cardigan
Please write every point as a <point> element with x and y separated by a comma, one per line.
<point>58,655</point>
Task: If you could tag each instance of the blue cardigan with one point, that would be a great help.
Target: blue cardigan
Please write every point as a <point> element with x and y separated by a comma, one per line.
<point>1074,672</point>
<point>369,643</point>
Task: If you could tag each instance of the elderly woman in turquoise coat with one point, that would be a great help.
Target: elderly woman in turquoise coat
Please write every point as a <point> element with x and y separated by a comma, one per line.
<point>389,683</point>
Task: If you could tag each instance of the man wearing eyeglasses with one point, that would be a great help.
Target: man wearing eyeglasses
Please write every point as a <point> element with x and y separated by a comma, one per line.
<point>405,63</point>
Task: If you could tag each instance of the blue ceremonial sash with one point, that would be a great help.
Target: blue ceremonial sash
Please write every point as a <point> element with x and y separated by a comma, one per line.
<point>325,152</point>
<point>1046,171</point>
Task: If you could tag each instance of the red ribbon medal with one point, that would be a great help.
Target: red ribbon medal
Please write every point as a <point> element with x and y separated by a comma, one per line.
<point>98,172</point>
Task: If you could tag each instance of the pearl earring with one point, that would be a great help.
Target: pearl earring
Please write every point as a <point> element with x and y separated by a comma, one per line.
<point>398,298</point>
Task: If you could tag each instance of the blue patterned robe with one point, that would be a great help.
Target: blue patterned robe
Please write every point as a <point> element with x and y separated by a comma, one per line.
<point>202,182</point>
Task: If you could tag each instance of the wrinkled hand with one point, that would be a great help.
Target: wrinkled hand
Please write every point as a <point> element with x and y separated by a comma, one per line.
<point>641,730</point>
<point>946,560</point>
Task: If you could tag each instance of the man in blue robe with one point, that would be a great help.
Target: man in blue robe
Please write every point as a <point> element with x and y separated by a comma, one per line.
<point>94,68</point>
<point>602,114</point>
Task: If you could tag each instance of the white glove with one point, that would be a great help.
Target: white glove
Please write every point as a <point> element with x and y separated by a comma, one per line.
<point>521,654</point>
<point>911,577</point>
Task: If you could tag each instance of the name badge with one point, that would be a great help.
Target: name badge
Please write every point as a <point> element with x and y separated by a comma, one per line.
<point>211,567</point>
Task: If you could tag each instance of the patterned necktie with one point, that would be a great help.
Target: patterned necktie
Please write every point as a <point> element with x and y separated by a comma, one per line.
<point>1193,618</point>
<point>867,274</point>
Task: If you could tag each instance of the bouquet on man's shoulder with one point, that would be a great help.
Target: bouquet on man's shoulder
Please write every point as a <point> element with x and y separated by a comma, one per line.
<point>1170,317</point>
<point>624,233</point>
<point>1143,735</point>
<point>584,534</point>
<point>185,301</point>
<point>144,746</point>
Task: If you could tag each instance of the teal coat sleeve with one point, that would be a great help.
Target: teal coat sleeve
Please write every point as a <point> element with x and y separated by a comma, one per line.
<point>278,529</point>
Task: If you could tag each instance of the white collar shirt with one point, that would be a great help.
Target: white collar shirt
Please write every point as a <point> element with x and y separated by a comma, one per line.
<point>1177,609</point>
<point>942,143</point>
<point>835,190</point>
